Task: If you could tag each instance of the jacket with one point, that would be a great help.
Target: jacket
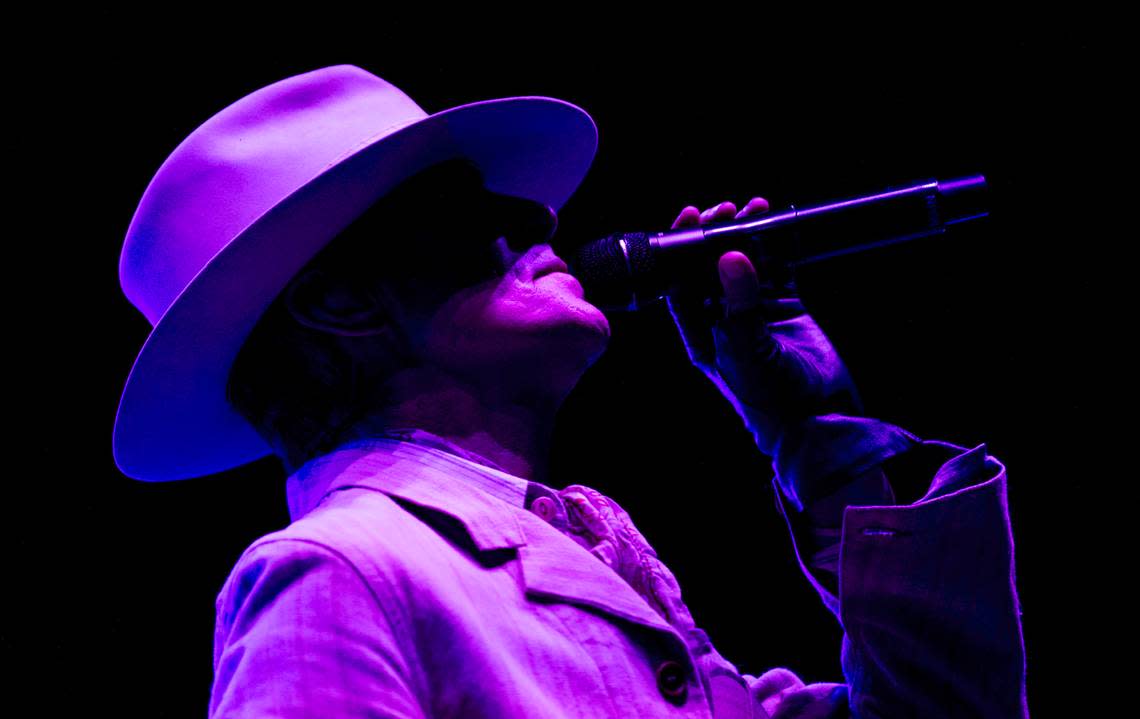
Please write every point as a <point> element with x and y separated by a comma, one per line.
<point>417,580</point>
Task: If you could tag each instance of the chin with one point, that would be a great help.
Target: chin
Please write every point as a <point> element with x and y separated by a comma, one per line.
<point>587,315</point>
<point>585,339</point>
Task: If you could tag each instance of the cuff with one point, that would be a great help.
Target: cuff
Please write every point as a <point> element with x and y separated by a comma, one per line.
<point>819,548</point>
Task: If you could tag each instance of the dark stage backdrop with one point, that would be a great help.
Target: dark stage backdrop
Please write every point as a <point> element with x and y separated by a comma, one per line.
<point>968,338</point>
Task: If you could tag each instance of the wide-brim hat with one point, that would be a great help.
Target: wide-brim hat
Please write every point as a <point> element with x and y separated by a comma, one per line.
<point>254,193</point>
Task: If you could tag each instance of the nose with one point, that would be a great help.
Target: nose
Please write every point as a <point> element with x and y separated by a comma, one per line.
<point>526,222</point>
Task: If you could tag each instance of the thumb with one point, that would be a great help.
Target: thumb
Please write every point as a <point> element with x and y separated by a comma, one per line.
<point>741,285</point>
<point>743,332</point>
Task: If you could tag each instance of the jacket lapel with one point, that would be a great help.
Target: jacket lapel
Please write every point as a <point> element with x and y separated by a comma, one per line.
<point>553,565</point>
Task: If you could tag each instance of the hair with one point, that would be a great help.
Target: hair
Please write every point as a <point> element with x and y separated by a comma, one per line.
<point>297,386</point>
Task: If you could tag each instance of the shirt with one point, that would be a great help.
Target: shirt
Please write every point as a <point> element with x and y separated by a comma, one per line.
<point>420,580</point>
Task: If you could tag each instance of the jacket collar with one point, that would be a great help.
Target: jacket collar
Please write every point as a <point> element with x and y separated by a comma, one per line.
<point>420,473</point>
<point>552,564</point>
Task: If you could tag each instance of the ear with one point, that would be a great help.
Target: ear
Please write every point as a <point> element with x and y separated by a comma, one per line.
<point>322,301</point>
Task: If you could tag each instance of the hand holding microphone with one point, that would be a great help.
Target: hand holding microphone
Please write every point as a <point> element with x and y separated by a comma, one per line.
<point>764,353</point>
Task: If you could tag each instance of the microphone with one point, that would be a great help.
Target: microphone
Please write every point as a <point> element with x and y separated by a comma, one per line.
<point>628,271</point>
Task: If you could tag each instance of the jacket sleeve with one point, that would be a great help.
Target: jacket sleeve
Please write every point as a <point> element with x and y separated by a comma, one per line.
<point>925,592</point>
<point>299,633</point>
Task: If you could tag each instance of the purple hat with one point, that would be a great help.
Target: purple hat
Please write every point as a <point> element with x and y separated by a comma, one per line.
<point>252,195</point>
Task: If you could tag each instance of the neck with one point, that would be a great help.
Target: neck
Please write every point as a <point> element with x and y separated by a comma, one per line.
<point>508,426</point>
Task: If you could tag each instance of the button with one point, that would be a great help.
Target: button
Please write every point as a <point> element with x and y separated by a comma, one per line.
<point>671,681</point>
<point>545,508</point>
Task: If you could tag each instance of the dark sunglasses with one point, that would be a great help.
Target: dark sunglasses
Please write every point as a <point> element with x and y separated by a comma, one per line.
<point>446,212</point>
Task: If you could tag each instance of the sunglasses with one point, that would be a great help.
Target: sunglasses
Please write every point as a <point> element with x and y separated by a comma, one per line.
<point>444,223</point>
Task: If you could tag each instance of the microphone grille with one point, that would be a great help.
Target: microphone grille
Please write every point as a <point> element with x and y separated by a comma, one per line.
<point>615,271</point>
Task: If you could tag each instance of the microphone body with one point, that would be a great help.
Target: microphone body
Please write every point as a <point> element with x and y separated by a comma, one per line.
<point>628,271</point>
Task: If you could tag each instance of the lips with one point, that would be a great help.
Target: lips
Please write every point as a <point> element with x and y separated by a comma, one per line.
<point>554,264</point>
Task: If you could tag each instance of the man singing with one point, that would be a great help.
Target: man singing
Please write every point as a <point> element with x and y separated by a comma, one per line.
<point>369,292</point>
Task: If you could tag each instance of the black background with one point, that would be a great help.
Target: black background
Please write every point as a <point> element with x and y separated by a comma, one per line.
<point>966,338</point>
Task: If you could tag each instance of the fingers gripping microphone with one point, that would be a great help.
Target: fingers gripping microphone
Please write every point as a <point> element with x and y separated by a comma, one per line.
<point>627,271</point>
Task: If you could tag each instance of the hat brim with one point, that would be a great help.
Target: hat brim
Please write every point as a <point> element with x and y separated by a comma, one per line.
<point>174,421</point>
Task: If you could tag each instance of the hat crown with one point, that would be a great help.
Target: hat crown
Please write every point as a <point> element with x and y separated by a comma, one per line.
<point>242,162</point>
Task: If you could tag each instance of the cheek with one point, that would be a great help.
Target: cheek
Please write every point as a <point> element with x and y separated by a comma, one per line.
<point>467,318</point>
<point>522,305</point>
<point>490,319</point>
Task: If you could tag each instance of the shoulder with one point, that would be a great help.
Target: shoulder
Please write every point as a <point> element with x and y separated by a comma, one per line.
<point>276,564</point>
<point>361,540</point>
<point>299,624</point>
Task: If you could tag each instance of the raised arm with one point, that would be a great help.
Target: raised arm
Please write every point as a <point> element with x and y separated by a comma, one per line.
<point>925,592</point>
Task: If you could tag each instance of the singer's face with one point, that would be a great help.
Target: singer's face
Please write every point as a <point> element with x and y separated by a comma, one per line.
<point>481,292</point>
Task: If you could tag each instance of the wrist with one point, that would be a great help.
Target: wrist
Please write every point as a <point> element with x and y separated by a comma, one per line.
<point>767,432</point>
<point>868,488</point>
<point>817,457</point>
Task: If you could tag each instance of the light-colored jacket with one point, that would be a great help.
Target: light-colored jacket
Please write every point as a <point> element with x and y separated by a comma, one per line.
<point>415,582</point>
